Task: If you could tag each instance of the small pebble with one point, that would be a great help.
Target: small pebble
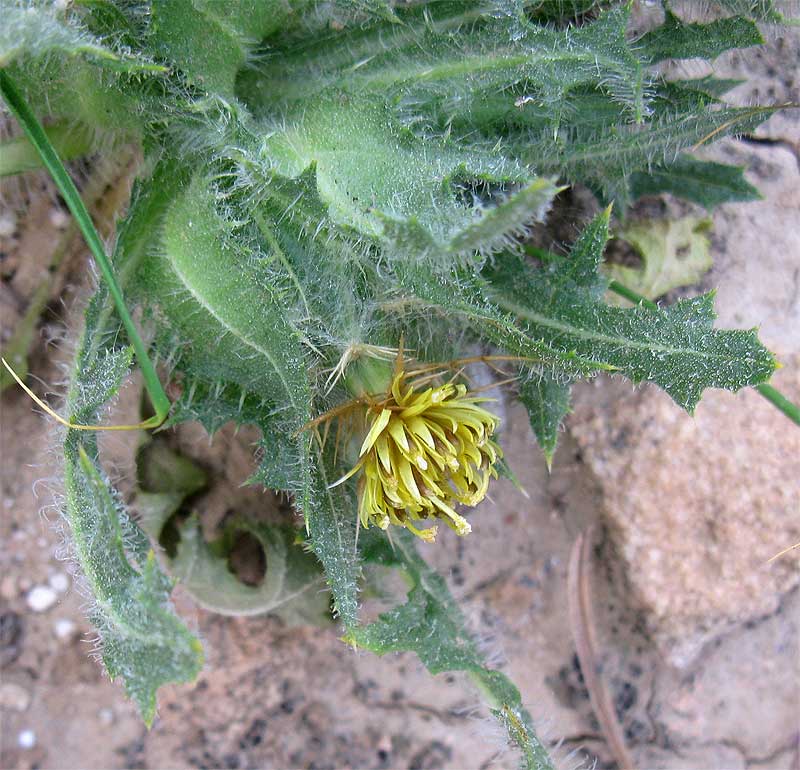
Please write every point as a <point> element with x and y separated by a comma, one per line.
<point>58,582</point>
<point>385,744</point>
<point>64,628</point>
<point>27,739</point>
<point>8,224</point>
<point>106,716</point>
<point>41,598</point>
<point>59,219</point>
<point>14,697</point>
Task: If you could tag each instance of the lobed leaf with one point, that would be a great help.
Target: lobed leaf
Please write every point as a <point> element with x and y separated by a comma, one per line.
<point>140,639</point>
<point>431,625</point>
<point>675,39</point>
<point>699,181</point>
<point>675,347</point>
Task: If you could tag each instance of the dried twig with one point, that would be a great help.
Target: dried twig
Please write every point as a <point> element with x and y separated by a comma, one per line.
<point>583,625</point>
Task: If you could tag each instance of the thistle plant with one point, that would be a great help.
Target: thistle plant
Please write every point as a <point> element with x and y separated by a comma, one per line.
<point>328,226</point>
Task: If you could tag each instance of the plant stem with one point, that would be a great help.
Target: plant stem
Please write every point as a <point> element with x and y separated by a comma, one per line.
<point>779,401</point>
<point>38,138</point>
<point>773,395</point>
<point>631,295</point>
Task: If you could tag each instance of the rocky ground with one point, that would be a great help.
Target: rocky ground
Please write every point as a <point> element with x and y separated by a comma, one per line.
<point>695,636</point>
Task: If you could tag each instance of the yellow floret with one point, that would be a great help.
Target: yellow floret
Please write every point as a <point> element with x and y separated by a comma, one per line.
<point>425,453</point>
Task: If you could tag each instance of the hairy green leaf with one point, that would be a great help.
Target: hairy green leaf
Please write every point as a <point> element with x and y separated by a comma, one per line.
<point>605,159</point>
<point>546,397</point>
<point>460,299</point>
<point>34,30</point>
<point>700,181</point>
<point>358,185</point>
<point>225,319</point>
<point>427,57</point>
<point>675,347</point>
<point>215,299</point>
<point>141,640</point>
<point>431,625</point>
<point>332,516</point>
<point>211,40</point>
<point>675,39</point>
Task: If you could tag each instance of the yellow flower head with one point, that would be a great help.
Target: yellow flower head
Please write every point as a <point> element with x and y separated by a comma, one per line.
<point>426,451</point>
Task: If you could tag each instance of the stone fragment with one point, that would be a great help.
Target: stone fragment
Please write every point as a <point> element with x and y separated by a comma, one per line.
<point>106,716</point>
<point>41,598</point>
<point>26,739</point>
<point>64,628</point>
<point>59,582</point>
<point>8,588</point>
<point>696,506</point>
<point>8,224</point>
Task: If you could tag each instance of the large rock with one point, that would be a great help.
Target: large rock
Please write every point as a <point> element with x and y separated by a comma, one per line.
<point>696,506</point>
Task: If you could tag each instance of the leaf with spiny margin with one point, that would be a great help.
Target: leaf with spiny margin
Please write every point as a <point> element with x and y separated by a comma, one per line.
<point>231,332</point>
<point>675,39</point>
<point>331,519</point>
<point>36,30</point>
<point>675,347</point>
<point>709,85</point>
<point>141,640</point>
<point>458,298</point>
<point>605,159</point>
<point>428,57</point>
<point>431,625</point>
<point>699,181</point>
<point>399,189</point>
<point>547,398</point>
<point>675,253</point>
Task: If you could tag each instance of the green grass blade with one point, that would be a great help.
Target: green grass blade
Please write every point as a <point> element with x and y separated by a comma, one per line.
<point>38,138</point>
